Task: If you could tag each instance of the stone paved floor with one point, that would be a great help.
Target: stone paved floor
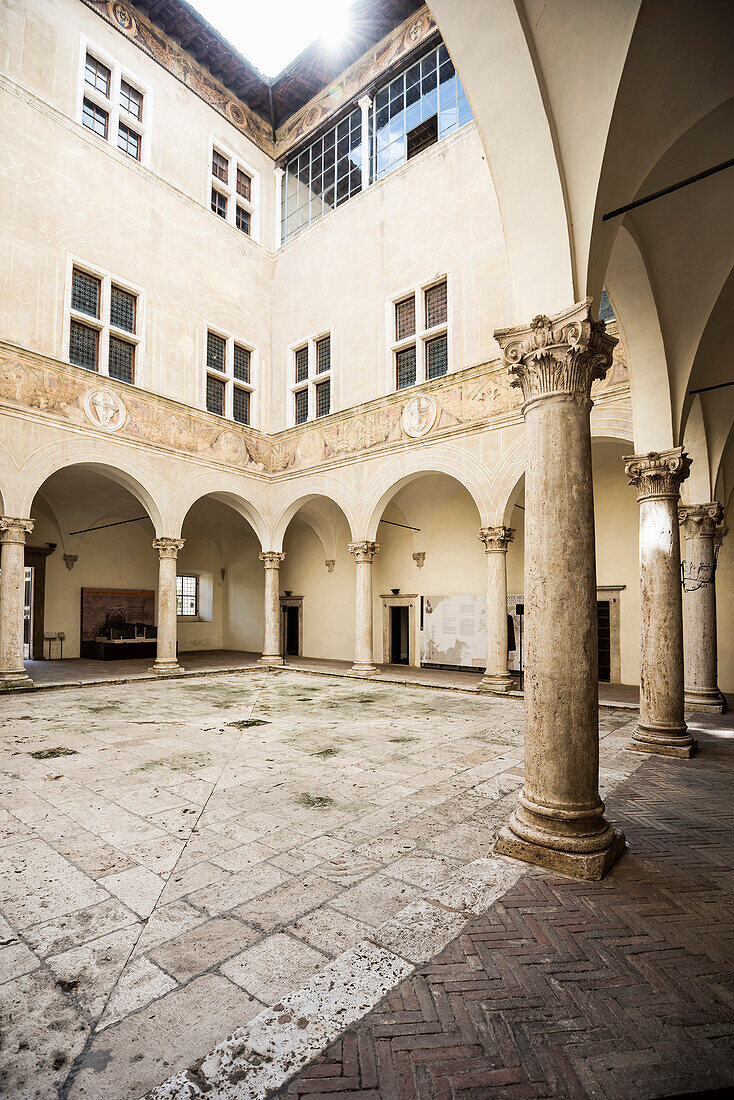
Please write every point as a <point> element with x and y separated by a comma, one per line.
<point>169,866</point>
<point>619,990</point>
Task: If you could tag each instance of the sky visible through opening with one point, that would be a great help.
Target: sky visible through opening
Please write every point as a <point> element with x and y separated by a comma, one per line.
<point>272,34</point>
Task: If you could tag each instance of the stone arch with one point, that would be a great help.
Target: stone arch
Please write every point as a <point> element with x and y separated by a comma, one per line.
<point>462,466</point>
<point>229,490</point>
<point>295,499</point>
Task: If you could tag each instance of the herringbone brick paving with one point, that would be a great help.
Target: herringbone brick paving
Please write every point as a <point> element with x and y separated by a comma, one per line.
<point>622,989</point>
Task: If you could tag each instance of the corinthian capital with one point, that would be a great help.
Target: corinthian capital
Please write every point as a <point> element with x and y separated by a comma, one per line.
<point>700,520</point>
<point>364,551</point>
<point>168,548</point>
<point>272,559</point>
<point>496,538</point>
<point>658,473</point>
<point>14,528</point>
<point>557,355</point>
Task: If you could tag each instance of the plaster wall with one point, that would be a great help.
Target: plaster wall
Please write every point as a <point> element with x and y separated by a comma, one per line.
<point>328,598</point>
<point>242,597</point>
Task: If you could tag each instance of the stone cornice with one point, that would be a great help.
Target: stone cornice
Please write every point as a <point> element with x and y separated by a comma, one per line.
<point>700,520</point>
<point>658,474</point>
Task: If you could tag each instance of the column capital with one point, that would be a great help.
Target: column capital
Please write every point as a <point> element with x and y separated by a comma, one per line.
<point>364,551</point>
<point>496,538</point>
<point>14,528</point>
<point>168,548</point>
<point>364,102</point>
<point>700,520</point>
<point>279,172</point>
<point>557,355</point>
<point>657,475</point>
<point>271,559</point>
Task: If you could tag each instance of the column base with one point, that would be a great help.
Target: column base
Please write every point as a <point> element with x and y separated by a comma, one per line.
<point>15,681</point>
<point>498,685</point>
<point>710,702</point>
<point>591,866</point>
<point>663,743</point>
<point>271,660</point>
<point>366,670</point>
<point>165,667</point>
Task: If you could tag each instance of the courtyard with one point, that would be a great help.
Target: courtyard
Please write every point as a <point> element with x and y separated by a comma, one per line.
<point>180,855</point>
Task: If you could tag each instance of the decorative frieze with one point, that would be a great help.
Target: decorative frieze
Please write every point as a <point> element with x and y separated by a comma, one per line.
<point>496,539</point>
<point>658,474</point>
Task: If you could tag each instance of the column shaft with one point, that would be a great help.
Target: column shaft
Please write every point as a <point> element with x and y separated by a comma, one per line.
<point>661,728</point>
<point>364,105</point>
<point>271,633</point>
<point>496,541</point>
<point>166,662</point>
<point>13,531</point>
<point>700,527</point>
<point>364,554</point>
<point>559,822</point>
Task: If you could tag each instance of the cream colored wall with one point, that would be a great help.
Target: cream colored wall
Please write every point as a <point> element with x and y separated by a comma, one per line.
<point>725,612</point>
<point>243,590</point>
<point>329,598</point>
<point>72,194</point>
<point>200,555</point>
<point>434,216</point>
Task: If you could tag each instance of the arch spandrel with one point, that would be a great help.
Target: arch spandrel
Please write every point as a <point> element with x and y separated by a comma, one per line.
<point>290,499</point>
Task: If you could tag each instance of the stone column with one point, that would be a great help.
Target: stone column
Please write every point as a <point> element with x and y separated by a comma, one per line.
<point>701,526</point>
<point>364,105</point>
<point>166,662</point>
<point>661,728</point>
<point>559,822</point>
<point>496,540</point>
<point>364,555</point>
<point>13,531</point>
<point>272,655</point>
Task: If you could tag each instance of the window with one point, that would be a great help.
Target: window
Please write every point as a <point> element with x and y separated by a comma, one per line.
<point>323,355</point>
<point>420,354</point>
<point>109,101</point>
<point>187,596</point>
<point>312,379</point>
<point>323,176</point>
<point>301,406</point>
<point>219,203</point>
<point>228,378</point>
<point>103,325</point>
<point>323,399</point>
<point>233,192</point>
<point>606,313</point>
<point>302,364</point>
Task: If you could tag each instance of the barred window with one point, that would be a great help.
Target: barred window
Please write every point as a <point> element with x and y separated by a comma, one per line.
<point>214,395</point>
<point>131,99</point>
<point>302,364</point>
<point>187,596</point>
<point>436,308</point>
<point>301,406</point>
<point>122,309</point>
<point>241,406</point>
<point>437,357</point>
<point>241,363</point>
<point>122,360</point>
<point>97,75</point>
<point>220,166</point>
<point>219,203</point>
<point>405,367</point>
<point>83,346</point>
<point>244,184</point>
<point>242,219</point>
<point>85,291</point>
<point>215,351</point>
<point>405,318</point>
<point>94,118</point>
<point>128,141</point>
<point>323,355</point>
<point>323,398</point>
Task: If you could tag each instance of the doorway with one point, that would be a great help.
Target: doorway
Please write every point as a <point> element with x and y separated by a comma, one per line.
<point>291,626</point>
<point>28,614</point>
<point>291,631</point>
<point>605,641</point>
<point>399,638</point>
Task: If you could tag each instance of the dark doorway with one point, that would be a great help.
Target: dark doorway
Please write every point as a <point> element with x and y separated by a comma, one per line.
<point>605,658</point>
<point>291,631</point>
<point>399,648</point>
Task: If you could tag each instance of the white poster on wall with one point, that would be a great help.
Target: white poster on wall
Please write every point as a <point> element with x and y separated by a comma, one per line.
<point>453,631</point>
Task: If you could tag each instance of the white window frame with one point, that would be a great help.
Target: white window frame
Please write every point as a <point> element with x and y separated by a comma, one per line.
<point>422,334</point>
<point>102,323</point>
<point>111,104</point>
<point>227,375</point>
<point>229,189</point>
<point>313,380</point>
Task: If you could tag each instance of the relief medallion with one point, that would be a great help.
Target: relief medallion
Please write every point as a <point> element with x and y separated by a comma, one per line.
<point>419,416</point>
<point>104,409</point>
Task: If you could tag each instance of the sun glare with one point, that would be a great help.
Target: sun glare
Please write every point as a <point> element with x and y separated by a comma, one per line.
<point>271,36</point>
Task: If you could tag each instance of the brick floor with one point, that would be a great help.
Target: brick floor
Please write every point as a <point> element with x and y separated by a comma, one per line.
<point>622,989</point>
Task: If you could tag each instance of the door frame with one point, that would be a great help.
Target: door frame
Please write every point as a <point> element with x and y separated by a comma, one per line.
<point>409,601</point>
<point>611,594</point>
<point>35,557</point>
<point>291,601</point>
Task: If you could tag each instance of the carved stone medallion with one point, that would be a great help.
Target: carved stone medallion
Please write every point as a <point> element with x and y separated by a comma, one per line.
<point>419,416</point>
<point>104,409</point>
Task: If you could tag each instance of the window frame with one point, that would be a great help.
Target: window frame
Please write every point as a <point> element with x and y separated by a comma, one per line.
<point>111,103</point>
<point>422,336</point>
<point>228,188</point>
<point>102,322</point>
<point>227,376</point>
<point>185,617</point>
<point>313,377</point>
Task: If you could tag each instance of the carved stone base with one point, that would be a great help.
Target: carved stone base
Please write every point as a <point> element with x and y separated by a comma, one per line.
<point>165,668</point>
<point>271,661</point>
<point>710,702</point>
<point>583,865</point>
<point>366,670</point>
<point>683,748</point>
<point>498,685</point>
<point>15,681</point>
